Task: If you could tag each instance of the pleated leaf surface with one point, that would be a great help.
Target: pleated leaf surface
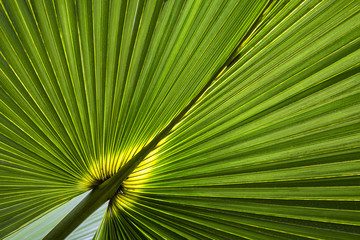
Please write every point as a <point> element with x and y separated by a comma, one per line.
<point>269,151</point>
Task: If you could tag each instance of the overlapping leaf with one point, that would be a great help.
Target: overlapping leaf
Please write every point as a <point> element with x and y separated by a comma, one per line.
<point>271,151</point>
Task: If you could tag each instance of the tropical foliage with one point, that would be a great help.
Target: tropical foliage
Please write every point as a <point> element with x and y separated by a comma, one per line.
<point>219,119</point>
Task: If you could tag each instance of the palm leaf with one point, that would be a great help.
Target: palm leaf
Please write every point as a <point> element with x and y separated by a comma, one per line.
<point>228,119</point>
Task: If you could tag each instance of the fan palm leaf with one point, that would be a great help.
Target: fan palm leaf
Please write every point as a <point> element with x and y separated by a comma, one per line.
<point>181,119</point>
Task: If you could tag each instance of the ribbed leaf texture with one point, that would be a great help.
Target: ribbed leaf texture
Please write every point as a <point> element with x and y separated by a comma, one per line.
<point>271,149</point>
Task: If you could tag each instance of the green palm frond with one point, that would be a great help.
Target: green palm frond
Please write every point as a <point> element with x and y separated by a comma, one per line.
<point>187,119</point>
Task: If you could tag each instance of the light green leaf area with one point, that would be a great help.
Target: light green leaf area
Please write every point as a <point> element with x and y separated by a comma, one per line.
<point>39,228</point>
<point>269,149</point>
<point>90,226</point>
